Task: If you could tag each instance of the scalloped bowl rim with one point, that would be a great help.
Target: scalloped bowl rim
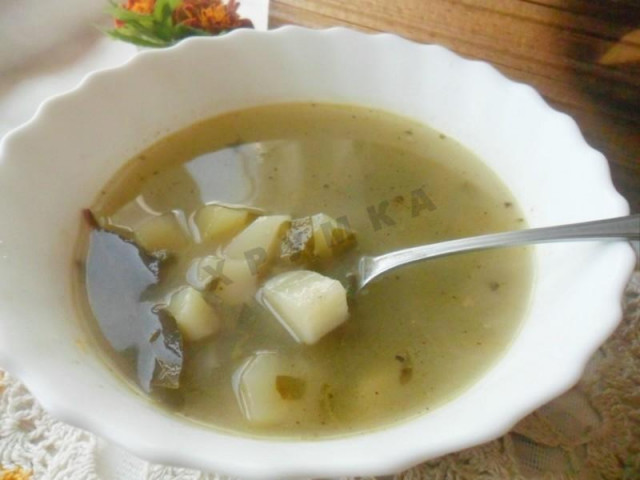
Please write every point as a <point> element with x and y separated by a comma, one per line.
<point>155,435</point>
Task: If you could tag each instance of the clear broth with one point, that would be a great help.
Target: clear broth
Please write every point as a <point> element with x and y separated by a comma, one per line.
<point>417,337</point>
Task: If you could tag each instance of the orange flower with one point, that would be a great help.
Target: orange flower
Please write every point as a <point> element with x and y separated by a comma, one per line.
<point>183,19</point>
<point>213,16</point>
<point>140,6</point>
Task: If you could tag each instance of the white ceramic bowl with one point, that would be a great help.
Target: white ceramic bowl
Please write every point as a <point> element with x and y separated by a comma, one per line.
<point>54,166</point>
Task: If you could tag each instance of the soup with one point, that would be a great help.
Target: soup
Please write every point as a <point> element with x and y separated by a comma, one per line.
<point>215,271</point>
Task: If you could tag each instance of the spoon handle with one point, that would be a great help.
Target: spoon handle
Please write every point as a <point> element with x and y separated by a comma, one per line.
<point>622,228</point>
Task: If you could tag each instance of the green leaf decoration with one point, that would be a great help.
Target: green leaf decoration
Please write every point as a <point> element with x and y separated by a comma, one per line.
<point>156,29</point>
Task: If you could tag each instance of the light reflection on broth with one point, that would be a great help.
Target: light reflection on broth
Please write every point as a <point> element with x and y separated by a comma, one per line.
<point>413,340</point>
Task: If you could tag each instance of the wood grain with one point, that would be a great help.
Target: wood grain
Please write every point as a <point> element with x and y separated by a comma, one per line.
<point>554,45</point>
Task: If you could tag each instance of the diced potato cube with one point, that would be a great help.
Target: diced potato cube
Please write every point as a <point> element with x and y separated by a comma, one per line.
<point>231,279</point>
<point>196,319</point>
<point>267,390</point>
<point>255,388</point>
<point>329,236</point>
<point>163,232</point>
<point>216,223</point>
<point>128,216</point>
<point>308,305</point>
<point>260,240</point>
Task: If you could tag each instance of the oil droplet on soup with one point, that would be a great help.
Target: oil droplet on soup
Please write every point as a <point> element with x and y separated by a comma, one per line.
<point>229,224</point>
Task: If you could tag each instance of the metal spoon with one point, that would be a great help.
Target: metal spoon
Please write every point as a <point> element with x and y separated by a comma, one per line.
<point>622,228</point>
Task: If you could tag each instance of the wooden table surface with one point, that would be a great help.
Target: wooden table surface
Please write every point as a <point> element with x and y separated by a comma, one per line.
<point>583,56</point>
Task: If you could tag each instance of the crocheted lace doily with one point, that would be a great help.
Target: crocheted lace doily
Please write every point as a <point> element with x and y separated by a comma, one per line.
<point>591,432</point>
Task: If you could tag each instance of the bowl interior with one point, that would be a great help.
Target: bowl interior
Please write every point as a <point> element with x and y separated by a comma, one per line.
<point>55,165</point>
